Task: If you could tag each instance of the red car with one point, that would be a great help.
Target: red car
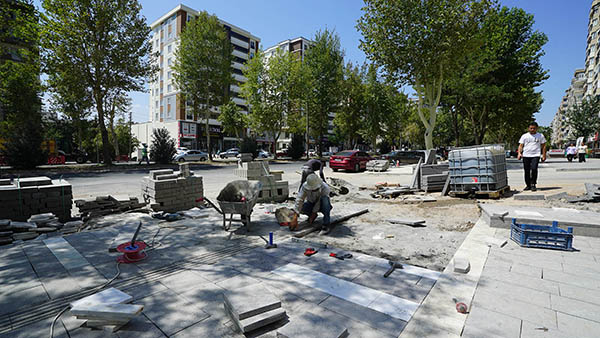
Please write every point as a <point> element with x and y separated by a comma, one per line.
<point>354,160</point>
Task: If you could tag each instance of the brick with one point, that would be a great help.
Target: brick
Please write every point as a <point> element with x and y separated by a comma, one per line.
<point>461,265</point>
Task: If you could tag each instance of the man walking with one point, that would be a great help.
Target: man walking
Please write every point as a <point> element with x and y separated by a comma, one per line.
<point>144,154</point>
<point>532,145</point>
<point>582,151</point>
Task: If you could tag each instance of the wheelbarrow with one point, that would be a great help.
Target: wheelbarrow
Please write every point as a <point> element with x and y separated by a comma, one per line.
<point>244,209</point>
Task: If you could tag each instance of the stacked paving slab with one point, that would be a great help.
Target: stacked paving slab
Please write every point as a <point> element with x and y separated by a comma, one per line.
<point>171,191</point>
<point>36,225</point>
<point>433,177</point>
<point>378,165</point>
<point>253,307</point>
<point>22,198</point>
<point>274,189</point>
<point>106,205</point>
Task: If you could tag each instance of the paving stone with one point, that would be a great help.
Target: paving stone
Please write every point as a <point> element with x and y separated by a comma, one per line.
<point>87,277</point>
<point>171,312</point>
<point>374,319</point>
<point>426,283</point>
<point>514,291</point>
<point>40,328</point>
<point>517,256</point>
<point>207,328</point>
<point>215,273</point>
<point>485,323</point>
<point>528,270</point>
<point>309,325</point>
<point>14,301</point>
<point>109,270</point>
<point>461,265</point>
<point>576,308</point>
<point>18,277</point>
<point>511,307</point>
<point>395,284</point>
<point>140,327</point>
<point>566,278</point>
<point>529,197</point>
<point>145,290</point>
<point>526,281</point>
<point>583,294</point>
<point>285,285</point>
<point>530,330</point>
<point>65,253</point>
<point>205,294</point>
<point>45,266</point>
<point>577,327</point>
<point>257,321</point>
<point>183,281</point>
<point>237,282</point>
<point>249,301</point>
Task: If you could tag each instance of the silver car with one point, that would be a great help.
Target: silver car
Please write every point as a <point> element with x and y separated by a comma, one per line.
<point>191,156</point>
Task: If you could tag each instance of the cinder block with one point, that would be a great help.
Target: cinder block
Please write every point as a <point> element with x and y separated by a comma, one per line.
<point>461,265</point>
<point>154,173</point>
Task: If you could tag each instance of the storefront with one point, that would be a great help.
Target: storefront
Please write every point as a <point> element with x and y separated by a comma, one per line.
<point>216,138</point>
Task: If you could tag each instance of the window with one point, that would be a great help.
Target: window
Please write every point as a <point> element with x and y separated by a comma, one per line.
<point>595,22</point>
<point>169,75</point>
<point>252,44</point>
<point>156,104</point>
<point>169,88</point>
<point>168,61</point>
<point>169,49</point>
<point>156,116</point>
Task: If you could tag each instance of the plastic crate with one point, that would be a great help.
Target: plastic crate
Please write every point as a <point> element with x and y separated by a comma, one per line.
<point>542,236</point>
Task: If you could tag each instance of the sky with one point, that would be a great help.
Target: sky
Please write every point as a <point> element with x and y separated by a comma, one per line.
<point>563,21</point>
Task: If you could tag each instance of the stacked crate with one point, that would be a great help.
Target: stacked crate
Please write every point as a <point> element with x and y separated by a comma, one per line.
<point>433,177</point>
<point>274,189</point>
<point>21,198</point>
<point>171,191</point>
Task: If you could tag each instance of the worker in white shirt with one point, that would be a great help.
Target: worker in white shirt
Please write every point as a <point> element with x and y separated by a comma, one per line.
<point>582,151</point>
<point>532,145</point>
<point>313,198</point>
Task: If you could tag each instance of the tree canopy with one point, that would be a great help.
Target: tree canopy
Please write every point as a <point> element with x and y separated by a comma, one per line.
<point>584,118</point>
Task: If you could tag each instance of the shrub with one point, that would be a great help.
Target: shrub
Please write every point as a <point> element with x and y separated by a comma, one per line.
<point>23,147</point>
<point>249,146</point>
<point>163,148</point>
<point>296,148</point>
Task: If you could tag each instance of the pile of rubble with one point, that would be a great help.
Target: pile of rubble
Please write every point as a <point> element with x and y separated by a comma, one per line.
<point>592,194</point>
<point>274,189</point>
<point>106,205</point>
<point>36,225</point>
<point>170,191</point>
<point>21,198</point>
<point>378,165</point>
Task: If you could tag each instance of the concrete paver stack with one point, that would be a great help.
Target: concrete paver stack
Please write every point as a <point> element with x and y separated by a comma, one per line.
<point>171,191</point>
<point>274,189</point>
<point>22,198</point>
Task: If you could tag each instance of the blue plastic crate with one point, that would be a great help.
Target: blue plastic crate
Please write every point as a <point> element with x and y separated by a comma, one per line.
<point>542,236</point>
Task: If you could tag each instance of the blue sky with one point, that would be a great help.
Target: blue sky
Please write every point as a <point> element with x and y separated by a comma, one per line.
<point>565,23</point>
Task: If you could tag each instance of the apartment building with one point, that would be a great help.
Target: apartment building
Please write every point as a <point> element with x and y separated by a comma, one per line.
<point>561,132</point>
<point>592,64</point>
<point>167,109</point>
<point>297,46</point>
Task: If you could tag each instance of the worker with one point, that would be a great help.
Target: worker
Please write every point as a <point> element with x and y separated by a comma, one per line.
<point>144,154</point>
<point>313,198</point>
<point>571,152</point>
<point>312,166</point>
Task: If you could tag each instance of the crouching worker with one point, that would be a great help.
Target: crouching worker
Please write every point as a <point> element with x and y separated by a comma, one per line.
<point>313,198</point>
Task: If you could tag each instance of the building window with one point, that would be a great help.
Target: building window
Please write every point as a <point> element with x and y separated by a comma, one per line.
<point>252,44</point>
<point>156,116</point>
<point>168,61</point>
<point>169,75</point>
<point>169,88</point>
<point>595,22</point>
<point>156,104</point>
<point>169,49</point>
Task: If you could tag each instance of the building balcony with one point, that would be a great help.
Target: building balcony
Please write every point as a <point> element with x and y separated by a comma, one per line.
<point>240,78</point>
<point>239,101</point>
<point>240,54</point>
<point>235,88</point>
<point>239,42</point>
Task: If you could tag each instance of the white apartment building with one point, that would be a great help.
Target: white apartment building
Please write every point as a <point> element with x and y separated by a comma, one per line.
<point>166,107</point>
<point>561,132</point>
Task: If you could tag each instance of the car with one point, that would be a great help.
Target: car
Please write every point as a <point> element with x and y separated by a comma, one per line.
<point>349,160</point>
<point>282,152</point>
<point>232,152</point>
<point>405,156</point>
<point>190,155</point>
<point>78,156</point>
<point>312,153</point>
<point>263,154</point>
<point>181,149</point>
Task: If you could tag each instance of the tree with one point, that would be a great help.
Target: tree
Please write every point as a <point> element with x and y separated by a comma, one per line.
<point>273,93</point>
<point>323,63</point>
<point>202,68</point>
<point>162,148</point>
<point>584,118</point>
<point>418,42</point>
<point>496,83</point>
<point>20,88</point>
<point>296,148</point>
<point>105,43</point>
<point>234,122</point>
<point>377,106</point>
<point>348,119</point>
<point>118,105</point>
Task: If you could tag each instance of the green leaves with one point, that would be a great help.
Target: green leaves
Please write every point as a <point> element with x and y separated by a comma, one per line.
<point>232,119</point>
<point>584,118</point>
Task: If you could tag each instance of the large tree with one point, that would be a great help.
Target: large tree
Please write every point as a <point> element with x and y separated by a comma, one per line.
<point>496,83</point>
<point>584,118</point>
<point>203,67</point>
<point>232,119</point>
<point>324,63</point>
<point>347,121</point>
<point>105,42</point>
<point>273,93</point>
<point>418,42</point>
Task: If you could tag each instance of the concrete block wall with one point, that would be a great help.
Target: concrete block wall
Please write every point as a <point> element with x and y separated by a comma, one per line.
<point>274,189</point>
<point>171,191</point>
<point>21,198</point>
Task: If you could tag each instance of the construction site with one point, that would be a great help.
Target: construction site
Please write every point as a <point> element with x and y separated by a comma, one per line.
<point>433,249</point>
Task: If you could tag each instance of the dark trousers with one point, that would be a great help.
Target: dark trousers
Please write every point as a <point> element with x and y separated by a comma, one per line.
<point>581,157</point>
<point>570,157</point>
<point>530,164</point>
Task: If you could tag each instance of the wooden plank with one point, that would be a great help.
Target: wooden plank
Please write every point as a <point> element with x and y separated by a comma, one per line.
<point>334,221</point>
<point>118,312</point>
<point>413,223</point>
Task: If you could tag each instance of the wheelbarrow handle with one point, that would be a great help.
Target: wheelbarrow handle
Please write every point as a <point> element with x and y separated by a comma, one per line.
<point>213,205</point>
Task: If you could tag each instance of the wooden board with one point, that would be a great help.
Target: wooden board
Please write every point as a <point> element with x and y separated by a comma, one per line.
<point>334,221</point>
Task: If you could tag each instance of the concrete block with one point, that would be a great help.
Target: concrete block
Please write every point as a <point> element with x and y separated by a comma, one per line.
<point>244,302</point>
<point>154,173</point>
<point>257,321</point>
<point>309,325</point>
<point>33,181</point>
<point>461,265</point>
<point>167,177</point>
<point>576,308</point>
<point>530,197</point>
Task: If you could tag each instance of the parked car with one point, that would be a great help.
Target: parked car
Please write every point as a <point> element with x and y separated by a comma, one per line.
<point>405,156</point>
<point>282,152</point>
<point>181,149</point>
<point>190,155</point>
<point>556,153</point>
<point>263,154</point>
<point>78,156</point>
<point>233,152</point>
<point>312,153</point>
<point>354,160</point>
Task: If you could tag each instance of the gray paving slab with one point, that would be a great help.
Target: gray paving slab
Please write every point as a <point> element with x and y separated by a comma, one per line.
<point>526,281</point>
<point>527,258</point>
<point>579,293</point>
<point>425,282</point>
<point>140,327</point>
<point>485,323</point>
<point>144,290</point>
<point>87,277</point>
<point>12,256</point>
<point>238,282</point>
<point>576,308</point>
<point>206,295</point>
<point>307,293</point>
<point>372,318</point>
<point>109,270</point>
<point>400,285</point>
<point>511,307</point>
<point>207,328</point>
<point>528,270</point>
<point>14,301</point>
<point>309,325</point>
<point>530,330</point>
<point>18,277</point>
<point>249,301</point>
<point>60,284</point>
<point>45,266</point>
<point>170,312</point>
<point>216,272</point>
<point>577,327</point>
<point>183,281</point>
<point>514,290</point>
<point>68,256</point>
<point>39,329</point>
<point>566,278</point>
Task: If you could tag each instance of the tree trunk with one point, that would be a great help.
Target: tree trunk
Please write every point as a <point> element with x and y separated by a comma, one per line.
<point>102,126</point>
<point>209,150</point>
<point>111,121</point>
<point>79,134</point>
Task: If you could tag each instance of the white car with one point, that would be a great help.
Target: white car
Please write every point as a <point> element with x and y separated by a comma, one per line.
<point>190,155</point>
<point>263,154</point>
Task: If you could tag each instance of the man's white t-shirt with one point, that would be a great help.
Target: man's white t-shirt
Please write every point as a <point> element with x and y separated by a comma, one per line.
<point>532,144</point>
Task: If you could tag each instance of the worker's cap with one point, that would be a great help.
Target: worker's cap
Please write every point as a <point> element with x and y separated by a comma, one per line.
<point>313,182</point>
